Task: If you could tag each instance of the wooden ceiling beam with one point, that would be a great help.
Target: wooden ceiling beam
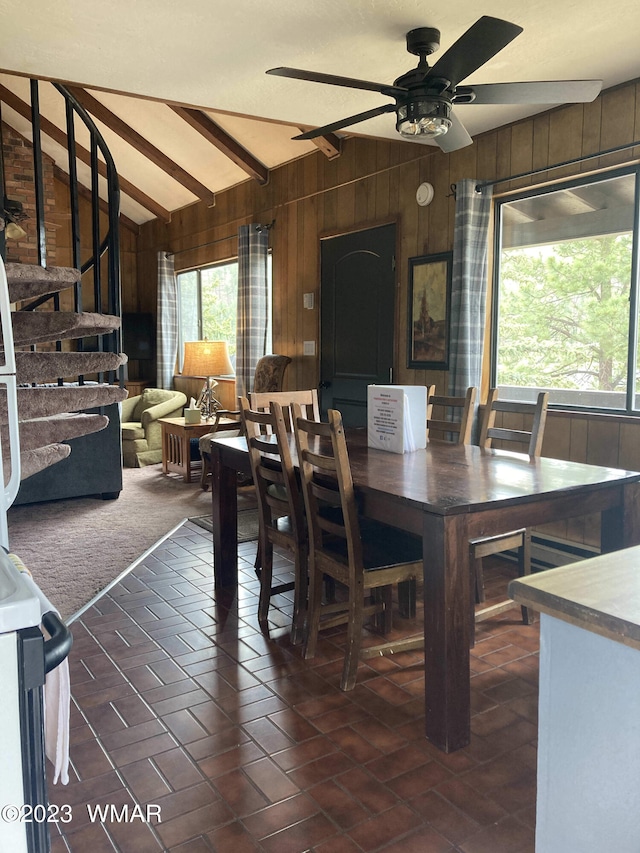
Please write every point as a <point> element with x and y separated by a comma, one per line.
<point>218,137</point>
<point>59,136</point>
<point>330,145</point>
<point>137,141</point>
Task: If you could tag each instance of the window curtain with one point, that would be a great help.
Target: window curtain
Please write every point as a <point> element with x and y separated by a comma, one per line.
<point>167,328</point>
<point>469,285</point>
<point>253,303</point>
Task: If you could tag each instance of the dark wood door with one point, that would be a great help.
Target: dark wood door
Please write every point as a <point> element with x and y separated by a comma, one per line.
<point>357,318</point>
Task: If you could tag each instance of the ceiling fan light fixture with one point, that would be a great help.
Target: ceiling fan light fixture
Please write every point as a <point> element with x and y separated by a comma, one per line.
<point>431,127</point>
<point>423,117</point>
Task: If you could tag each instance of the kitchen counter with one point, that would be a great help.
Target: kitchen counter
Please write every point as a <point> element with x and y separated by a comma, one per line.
<point>589,703</point>
<point>601,594</point>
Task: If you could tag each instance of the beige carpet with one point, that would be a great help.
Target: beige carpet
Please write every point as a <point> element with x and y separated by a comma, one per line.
<point>75,547</point>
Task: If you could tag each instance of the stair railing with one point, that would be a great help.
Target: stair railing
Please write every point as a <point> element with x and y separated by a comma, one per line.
<point>106,296</point>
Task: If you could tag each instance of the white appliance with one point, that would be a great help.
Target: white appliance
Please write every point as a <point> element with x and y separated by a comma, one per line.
<point>25,658</point>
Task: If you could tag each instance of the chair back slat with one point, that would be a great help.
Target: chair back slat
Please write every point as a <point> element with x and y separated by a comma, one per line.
<point>535,412</point>
<point>326,494</point>
<point>462,409</point>
<point>307,400</point>
<point>265,444</point>
<point>320,460</point>
<point>520,435</point>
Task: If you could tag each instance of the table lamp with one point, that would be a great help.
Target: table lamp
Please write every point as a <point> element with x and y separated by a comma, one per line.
<point>206,359</point>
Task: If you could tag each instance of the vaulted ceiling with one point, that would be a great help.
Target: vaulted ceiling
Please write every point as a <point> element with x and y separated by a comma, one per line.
<point>163,161</point>
<point>180,94</point>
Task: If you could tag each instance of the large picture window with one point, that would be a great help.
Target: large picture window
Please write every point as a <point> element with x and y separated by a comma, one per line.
<point>565,294</point>
<point>208,305</point>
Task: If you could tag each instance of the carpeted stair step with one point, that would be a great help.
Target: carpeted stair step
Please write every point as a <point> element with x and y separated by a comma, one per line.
<point>43,401</point>
<point>39,432</point>
<point>50,366</point>
<point>32,327</point>
<point>40,440</point>
<point>32,461</point>
<point>28,281</point>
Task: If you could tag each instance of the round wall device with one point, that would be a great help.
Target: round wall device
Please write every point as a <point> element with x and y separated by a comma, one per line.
<point>424,194</point>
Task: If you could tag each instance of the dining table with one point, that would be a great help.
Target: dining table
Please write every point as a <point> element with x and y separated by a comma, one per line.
<point>448,494</point>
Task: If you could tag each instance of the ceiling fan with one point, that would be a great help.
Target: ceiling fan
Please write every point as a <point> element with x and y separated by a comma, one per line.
<point>424,97</point>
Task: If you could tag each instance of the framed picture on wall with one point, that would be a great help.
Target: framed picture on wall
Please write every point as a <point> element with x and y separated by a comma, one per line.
<point>429,306</point>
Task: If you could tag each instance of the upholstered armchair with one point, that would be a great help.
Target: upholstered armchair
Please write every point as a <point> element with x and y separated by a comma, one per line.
<point>141,432</point>
<point>269,373</point>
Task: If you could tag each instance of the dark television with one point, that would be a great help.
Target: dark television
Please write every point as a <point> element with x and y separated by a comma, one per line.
<point>138,336</point>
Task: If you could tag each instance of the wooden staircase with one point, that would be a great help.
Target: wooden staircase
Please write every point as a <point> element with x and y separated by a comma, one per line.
<point>50,408</point>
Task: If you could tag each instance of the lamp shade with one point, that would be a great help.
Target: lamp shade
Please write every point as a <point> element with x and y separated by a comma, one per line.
<point>206,358</point>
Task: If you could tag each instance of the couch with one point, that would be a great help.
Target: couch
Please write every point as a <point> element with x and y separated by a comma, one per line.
<point>141,432</point>
<point>93,467</point>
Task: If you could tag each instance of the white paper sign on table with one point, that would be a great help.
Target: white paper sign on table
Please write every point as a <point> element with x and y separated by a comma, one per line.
<point>397,417</point>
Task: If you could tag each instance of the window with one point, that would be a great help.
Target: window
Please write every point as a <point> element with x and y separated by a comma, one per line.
<point>207,305</point>
<point>565,294</point>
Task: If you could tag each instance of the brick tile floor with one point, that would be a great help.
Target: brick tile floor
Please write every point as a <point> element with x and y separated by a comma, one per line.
<point>180,703</point>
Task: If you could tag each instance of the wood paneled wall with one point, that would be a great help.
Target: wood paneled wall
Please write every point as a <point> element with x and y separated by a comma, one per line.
<point>372,183</point>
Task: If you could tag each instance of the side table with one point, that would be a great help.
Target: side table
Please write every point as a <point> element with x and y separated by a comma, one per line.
<point>176,443</point>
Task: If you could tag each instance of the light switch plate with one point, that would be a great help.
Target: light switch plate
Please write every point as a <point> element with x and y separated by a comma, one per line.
<point>309,347</point>
<point>308,300</point>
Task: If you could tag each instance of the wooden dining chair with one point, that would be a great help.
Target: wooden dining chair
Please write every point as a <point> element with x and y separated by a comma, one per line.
<point>307,400</point>
<point>440,422</point>
<point>527,438</point>
<point>363,555</point>
<point>280,509</point>
<point>531,437</point>
<point>259,401</point>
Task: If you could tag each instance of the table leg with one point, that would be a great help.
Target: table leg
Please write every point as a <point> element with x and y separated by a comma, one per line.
<point>224,501</point>
<point>206,470</point>
<point>620,527</point>
<point>186,456</point>
<point>165,449</point>
<point>446,630</point>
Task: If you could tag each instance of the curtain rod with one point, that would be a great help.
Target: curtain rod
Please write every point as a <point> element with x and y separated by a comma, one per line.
<point>529,174</point>
<point>259,229</point>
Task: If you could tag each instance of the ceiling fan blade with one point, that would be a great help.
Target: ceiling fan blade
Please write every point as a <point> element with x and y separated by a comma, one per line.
<point>333,80</point>
<point>547,92</point>
<point>478,45</point>
<point>346,122</point>
<point>456,137</point>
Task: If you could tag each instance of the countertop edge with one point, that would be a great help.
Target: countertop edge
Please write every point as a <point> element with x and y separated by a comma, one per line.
<point>600,594</point>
